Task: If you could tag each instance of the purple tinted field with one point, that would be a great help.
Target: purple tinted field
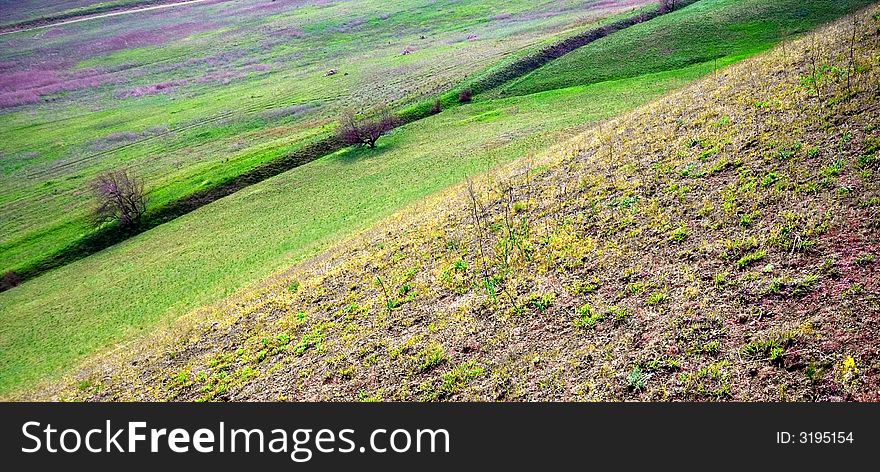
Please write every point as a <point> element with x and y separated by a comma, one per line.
<point>234,83</point>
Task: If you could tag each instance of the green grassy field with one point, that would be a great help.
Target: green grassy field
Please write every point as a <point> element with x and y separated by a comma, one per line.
<point>191,96</point>
<point>702,32</point>
<point>52,322</point>
<point>217,249</point>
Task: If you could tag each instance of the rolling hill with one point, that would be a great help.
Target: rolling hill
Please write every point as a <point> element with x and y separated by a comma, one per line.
<point>54,321</point>
<point>717,243</point>
<point>707,31</point>
<point>121,293</point>
<point>191,97</point>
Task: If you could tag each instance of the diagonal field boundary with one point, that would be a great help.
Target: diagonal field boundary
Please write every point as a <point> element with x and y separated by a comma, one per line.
<point>110,235</point>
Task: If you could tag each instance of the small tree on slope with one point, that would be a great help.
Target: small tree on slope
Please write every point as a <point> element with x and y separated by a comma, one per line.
<point>358,131</point>
<point>119,196</point>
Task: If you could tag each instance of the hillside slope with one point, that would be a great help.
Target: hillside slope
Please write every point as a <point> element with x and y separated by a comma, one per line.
<point>720,243</point>
<point>193,96</point>
<point>704,31</point>
<point>51,322</point>
<point>48,327</point>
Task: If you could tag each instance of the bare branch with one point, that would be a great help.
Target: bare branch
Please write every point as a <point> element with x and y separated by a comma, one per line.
<point>359,131</point>
<point>120,197</point>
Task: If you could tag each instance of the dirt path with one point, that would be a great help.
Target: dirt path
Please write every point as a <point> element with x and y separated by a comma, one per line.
<point>42,23</point>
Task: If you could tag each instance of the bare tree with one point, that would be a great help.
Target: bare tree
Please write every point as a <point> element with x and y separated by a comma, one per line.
<point>365,131</point>
<point>119,196</point>
<point>667,5</point>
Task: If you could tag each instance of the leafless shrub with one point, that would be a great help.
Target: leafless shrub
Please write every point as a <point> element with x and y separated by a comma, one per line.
<point>783,37</point>
<point>119,196</point>
<point>365,131</point>
<point>814,64</point>
<point>477,213</point>
<point>480,226</point>
<point>465,95</point>
<point>850,69</point>
<point>436,107</point>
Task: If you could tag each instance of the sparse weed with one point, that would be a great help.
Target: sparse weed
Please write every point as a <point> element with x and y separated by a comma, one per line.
<point>430,357</point>
<point>771,348</point>
<point>461,375</point>
<point>710,381</point>
<point>679,234</point>
<point>636,379</point>
<point>750,258</point>
<point>588,317</point>
<point>618,314</point>
<point>541,302</point>
<point>864,260</point>
<point>580,289</point>
<point>314,339</point>
<point>769,179</point>
<point>656,298</point>
<point>721,280</point>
